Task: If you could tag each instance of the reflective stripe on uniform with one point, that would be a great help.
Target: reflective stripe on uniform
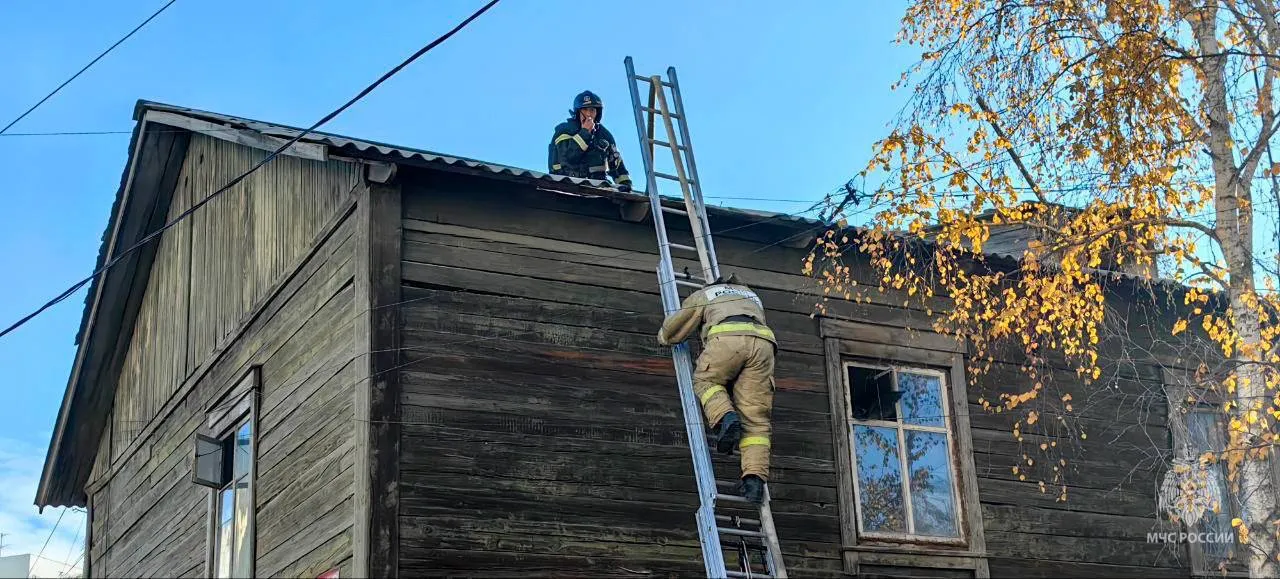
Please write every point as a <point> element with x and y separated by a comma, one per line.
<point>753,441</point>
<point>555,167</point>
<point>740,327</point>
<point>597,169</point>
<point>624,178</point>
<point>712,391</point>
<point>576,138</point>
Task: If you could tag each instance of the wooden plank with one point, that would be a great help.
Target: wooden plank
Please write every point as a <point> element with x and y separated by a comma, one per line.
<point>250,337</point>
<point>791,294</point>
<point>793,371</point>
<point>278,525</point>
<point>895,354</point>
<point>1011,519</point>
<point>510,212</point>
<point>847,330</point>
<point>377,399</point>
<point>248,138</point>
<point>843,452</point>
<point>307,539</point>
<point>330,555</point>
<point>891,570</point>
<point>1085,550</point>
<point>795,333</point>
<point>1027,494</point>
<point>1042,569</point>
<point>971,509</point>
<point>587,466</point>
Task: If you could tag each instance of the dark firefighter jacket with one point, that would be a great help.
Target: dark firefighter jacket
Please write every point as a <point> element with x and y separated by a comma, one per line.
<point>576,152</point>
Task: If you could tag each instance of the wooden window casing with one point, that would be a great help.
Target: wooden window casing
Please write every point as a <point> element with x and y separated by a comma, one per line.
<point>237,409</point>
<point>849,343</point>
<point>1183,400</point>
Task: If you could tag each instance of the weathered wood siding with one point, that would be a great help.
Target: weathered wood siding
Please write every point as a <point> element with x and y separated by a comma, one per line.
<point>287,309</point>
<point>542,431</point>
<point>214,267</point>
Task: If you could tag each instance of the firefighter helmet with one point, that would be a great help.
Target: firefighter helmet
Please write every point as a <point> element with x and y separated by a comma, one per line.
<point>588,99</point>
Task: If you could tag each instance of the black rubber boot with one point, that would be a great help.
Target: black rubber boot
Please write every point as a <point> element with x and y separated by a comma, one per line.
<point>752,487</point>
<point>728,433</point>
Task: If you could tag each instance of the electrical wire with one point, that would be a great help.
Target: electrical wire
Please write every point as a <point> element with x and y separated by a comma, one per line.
<point>154,235</point>
<point>86,67</point>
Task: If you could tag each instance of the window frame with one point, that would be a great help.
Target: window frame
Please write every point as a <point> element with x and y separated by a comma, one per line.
<point>893,346</point>
<point>900,428</point>
<point>1177,389</point>
<point>223,420</point>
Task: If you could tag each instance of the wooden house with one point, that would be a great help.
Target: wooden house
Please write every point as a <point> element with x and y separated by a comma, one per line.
<point>381,361</point>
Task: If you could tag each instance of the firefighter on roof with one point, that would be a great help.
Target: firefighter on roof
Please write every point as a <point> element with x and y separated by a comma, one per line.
<point>737,358</point>
<point>582,147</point>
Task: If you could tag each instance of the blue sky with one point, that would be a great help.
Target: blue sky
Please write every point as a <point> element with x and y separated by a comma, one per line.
<point>785,100</point>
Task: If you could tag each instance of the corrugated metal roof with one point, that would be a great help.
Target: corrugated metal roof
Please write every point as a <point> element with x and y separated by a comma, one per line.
<point>375,149</point>
<point>363,146</point>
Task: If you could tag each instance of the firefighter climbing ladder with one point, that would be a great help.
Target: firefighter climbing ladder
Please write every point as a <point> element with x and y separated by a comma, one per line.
<point>721,529</point>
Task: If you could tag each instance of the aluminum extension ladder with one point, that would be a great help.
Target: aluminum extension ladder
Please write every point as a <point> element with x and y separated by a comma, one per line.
<point>720,523</point>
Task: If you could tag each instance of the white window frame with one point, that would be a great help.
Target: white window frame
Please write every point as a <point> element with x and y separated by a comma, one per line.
<point>224,419</point>
<point>901,429</point>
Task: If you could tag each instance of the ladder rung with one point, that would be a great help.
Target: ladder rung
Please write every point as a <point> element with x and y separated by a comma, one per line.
<point>688,283</point>
<point>741,574</point>
<point>658,112</point>
<point>648,80</point>
<point>682,246</point>
<point>689,276</point>
<point>662,143</point>
<point>737,520</point>
<point>674,210</point>
<point>671,177</point>
<point>730,498</point>
<point>741,533</point>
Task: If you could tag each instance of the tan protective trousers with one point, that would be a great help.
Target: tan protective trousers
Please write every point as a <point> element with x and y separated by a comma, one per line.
<point>742,365</point>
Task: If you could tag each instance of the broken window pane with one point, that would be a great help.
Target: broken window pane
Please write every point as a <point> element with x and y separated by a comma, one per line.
<point>879,479</point>
<point>871,394</point>
<point>932,504</point>
<point>921,399</point>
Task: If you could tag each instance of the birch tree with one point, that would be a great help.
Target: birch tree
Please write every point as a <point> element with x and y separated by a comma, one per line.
<point>1128,134</point>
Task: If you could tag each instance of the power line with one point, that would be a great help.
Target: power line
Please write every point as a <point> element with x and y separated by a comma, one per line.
<point>51,532</point>
<point>75,287</point>
<point>86,67</point>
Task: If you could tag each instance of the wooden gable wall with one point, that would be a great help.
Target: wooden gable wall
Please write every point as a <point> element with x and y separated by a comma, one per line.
<point>259,277</point>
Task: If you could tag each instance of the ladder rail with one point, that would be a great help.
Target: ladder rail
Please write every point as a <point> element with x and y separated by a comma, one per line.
<point>701,236</point>
<point>693,164</point>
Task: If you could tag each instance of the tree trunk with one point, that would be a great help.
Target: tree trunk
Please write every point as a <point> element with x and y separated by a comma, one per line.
<point>1234,225</point>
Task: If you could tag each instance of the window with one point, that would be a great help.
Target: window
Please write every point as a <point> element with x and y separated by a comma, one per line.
<point>903,449</point>
<point>1207,433</point>
<point>224,462</point>
<point>905,483</point>
<point>1198,424</point>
